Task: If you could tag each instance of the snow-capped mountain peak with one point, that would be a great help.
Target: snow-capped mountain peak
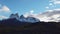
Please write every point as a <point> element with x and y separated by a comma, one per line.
<point>28,19</point>
<point>22,18</point>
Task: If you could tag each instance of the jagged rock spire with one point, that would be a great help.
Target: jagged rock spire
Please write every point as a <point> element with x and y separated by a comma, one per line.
<point>22,16</point>
<point>17,15</point>
<point>14,15</point>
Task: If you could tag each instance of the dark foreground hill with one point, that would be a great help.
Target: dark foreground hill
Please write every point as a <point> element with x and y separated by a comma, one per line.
<point>13,26</point>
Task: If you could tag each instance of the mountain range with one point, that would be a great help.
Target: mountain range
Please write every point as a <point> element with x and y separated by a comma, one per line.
<point>47,16</point>
<point>22,18</point>
<point>31,24</point>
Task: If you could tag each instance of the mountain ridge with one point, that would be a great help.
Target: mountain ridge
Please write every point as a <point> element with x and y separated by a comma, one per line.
<point>22,18</point>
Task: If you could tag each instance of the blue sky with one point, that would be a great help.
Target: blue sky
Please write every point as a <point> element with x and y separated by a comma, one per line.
<point>23,6</point>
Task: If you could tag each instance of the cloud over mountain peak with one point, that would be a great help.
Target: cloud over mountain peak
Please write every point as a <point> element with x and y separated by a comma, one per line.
<point>48,15</point>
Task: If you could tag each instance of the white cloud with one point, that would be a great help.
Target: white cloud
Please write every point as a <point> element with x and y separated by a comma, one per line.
<point>58,9</point>
<point>50,4</point>
<point>4,9</point>
<point>49,10</point>
<point>50,15</point>
<point>26,14</point>
<point>45,18</point>
<point>3,17</point>
<point>31,11</point>
<point>47,7</point>
<point>56,1</point>
<point>56,16</point>
<point>30,14</point>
